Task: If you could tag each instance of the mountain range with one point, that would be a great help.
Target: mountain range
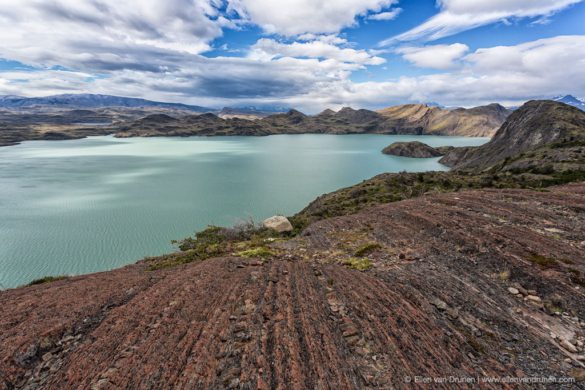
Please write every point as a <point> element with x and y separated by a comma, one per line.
<point>72,116</point>
<point>406,119</point>
<point>77,116</point>
<point>89,101</point>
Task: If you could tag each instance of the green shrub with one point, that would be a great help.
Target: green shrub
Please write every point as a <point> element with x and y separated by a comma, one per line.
<point>360,264</point>
<point>47,279</point>
<point>367,249</point>
<point>545,262</point>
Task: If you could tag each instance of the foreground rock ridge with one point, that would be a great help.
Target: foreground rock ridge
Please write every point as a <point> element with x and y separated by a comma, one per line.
<point>56,122</point>
<point>435,302</point>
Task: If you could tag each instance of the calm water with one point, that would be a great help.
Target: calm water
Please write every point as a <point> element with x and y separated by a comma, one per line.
<point>72,207</point>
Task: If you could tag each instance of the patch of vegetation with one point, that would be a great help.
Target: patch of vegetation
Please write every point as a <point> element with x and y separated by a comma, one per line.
<point>543,261</point>
<point>554,304</point>
<point>47,279</point>
<point>566,261</point>
<point>246,238</point>
<point>261,252</point>
<point>366,249</point>
<point>172,260</point>
<point>504,275</point>
<point>359,264</point>
<point>576,277</point>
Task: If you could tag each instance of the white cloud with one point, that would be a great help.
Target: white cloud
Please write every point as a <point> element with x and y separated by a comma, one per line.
<point>460,15</point>
<point>152,50</point>
<point>295,17</point>
<point>69,32</point>
<point>267,49</point>
<point>435,56</point>
<point>389,15</point>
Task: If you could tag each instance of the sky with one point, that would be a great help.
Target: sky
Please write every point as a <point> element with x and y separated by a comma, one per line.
<point>306,54</point>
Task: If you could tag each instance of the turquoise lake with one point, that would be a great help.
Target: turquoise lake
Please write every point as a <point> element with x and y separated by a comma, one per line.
<point>80,206</point>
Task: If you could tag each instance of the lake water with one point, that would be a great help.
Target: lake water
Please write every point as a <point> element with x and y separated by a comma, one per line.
<point>73,207</point>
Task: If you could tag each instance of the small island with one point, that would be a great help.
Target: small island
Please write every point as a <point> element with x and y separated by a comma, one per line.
<point>413,149</point>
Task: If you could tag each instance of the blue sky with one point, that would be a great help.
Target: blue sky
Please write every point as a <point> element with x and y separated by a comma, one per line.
<point>299,53</point>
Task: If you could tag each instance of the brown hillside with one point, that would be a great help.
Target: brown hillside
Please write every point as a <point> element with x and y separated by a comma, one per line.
<point>434,302</point>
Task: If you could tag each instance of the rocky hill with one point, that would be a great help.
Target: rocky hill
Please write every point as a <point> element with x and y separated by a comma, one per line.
<point>546,129</point>
<point>476,122</point>
<point>411,149</point>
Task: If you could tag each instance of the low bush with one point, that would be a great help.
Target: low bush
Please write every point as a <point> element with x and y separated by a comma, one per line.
<point>47,279</point>
<point>367,249</point>
<point>359,264</point>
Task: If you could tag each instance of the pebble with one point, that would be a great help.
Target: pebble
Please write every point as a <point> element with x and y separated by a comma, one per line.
<point>533,298</point>
<point>513,291</point>
<point>439,304</point>
<point>568,346</point>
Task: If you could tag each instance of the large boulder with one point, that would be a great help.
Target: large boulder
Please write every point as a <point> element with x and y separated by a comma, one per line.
<point>279,223</point>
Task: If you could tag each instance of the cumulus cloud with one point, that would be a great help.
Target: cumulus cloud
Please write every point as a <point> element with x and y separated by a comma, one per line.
<point>153,50</point>
<point>460,15</point>
<point>389,15</point>
<point>295,17</point>
<point>268,49</point>
<point>506,74</point>
<point>435,56</point>
<point>107,32</point>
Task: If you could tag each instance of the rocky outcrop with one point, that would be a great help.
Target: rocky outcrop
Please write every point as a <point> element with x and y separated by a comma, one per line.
<point>539,126</point>
<point>481,121</point>
<point>411,149</point>
<point>434,302</point>
<point>278,223</point>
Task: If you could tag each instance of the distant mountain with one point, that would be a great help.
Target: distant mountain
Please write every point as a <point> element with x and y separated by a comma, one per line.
<point>480,121</point>
<point>260,109</point>
<point>409,119</point>
<point>251,111</point>
<point>571,100</point>
<point>90,101</point>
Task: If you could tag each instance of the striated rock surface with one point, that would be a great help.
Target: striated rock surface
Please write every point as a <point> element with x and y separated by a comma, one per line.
<point>434,303</point>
